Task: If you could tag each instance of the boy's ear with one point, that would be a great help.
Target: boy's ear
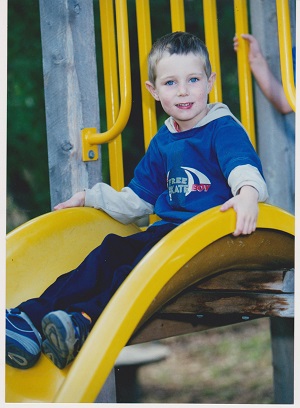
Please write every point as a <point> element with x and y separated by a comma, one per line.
<point>211,81</point>
<point>152,90</point>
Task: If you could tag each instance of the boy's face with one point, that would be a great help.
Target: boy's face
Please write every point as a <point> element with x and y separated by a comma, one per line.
<point>182,88</point>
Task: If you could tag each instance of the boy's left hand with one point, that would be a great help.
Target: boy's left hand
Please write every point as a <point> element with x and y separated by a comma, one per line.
<point>246,208</point>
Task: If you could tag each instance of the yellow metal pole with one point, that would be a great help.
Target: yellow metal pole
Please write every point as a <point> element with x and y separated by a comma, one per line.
<point>89,137</point>
<point>145,42</point>
<point>244,72</point>
<point>177,15</point>
<point>285,49</point>
<point>212,43</point>
<point>109,60</point>
<point>148,102</point>
<point>111,90</point>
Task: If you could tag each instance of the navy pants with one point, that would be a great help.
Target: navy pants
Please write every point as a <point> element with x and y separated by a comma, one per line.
<point>89,287</point>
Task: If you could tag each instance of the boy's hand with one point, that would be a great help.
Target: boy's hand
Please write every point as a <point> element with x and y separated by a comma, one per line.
<point>246,208</point>
<point>77,200</point>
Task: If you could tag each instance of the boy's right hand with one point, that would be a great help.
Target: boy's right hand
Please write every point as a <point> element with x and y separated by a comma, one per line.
<point>246,208</point>
<point>77,200</point>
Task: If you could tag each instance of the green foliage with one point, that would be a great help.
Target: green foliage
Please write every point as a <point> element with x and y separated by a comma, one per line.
<point>27,169</point>
<point>27,164</point>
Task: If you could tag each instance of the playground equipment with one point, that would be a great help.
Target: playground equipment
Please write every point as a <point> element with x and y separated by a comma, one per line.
<point>56,242</point>
<point>158,298</point>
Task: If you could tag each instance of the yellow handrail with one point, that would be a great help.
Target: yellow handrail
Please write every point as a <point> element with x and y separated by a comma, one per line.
<point>212,43</point>
<point>285,49</point>
<point>88,137</point>
<point>111,91</point>
<point>244,72</point>
<point>177,15</point>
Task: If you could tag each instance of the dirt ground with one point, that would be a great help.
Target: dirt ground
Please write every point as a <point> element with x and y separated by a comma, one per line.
<point>229,365</point>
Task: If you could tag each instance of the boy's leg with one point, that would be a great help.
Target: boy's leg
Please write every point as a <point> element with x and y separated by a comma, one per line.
<point>23,324</point>
<point>91,277</point>
<point>88,288</point>
<point>139,244</point>
<point>61,344</point>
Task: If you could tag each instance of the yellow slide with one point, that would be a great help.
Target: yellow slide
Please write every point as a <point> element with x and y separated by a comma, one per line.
<point>52,244</point>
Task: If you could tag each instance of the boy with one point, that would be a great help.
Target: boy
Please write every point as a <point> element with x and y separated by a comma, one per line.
<point>199,159</point>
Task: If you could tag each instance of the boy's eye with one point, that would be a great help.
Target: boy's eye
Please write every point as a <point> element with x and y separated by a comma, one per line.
<point>194,80</point>
<point>170,82</point>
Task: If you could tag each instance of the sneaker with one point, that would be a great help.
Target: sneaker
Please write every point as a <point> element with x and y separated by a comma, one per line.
<point>23,341</point>
<point>65,334</point>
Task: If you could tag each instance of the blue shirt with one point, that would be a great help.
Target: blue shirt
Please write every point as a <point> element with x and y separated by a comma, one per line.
<point>185,173</point>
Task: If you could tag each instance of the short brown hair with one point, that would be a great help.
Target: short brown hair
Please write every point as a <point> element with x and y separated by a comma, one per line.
<point>181,43</point>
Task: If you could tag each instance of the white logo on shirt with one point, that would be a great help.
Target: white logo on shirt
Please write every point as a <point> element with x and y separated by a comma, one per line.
<point>195,181</point>
<point>203,182</point>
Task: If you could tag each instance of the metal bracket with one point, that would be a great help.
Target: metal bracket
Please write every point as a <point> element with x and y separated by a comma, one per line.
<point>89,152</point>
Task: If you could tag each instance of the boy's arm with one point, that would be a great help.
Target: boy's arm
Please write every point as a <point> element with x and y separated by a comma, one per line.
<point>124,206</point>
<point>247,175</point>
<point>248,188</point>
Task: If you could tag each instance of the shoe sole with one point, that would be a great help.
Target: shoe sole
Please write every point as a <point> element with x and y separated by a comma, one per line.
<point>60,338</point>
<point>21,352</point>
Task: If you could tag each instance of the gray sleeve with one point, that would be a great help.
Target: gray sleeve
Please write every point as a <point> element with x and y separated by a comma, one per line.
<point>248,175</point>
<point>124,206</point>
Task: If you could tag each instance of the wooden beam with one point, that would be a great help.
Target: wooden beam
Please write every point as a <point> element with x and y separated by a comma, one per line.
<point>282,335</point>
<point>225,298</point>
<point>168,325</point>
<point>281,281</point>
<point>71,93</point>
<point>255,304</point>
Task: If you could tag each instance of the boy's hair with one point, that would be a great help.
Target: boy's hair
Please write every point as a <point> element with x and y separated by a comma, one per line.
<point>181,43</point>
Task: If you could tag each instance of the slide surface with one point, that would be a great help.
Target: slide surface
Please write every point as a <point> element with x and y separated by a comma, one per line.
<point>52,244</point>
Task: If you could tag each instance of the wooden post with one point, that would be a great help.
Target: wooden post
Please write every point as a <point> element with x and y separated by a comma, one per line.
<point>71,99</point>
<point>71,93</point>
<point>276,147</point>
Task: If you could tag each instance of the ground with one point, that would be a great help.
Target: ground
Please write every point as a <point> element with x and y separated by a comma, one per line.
<point>229,365</point>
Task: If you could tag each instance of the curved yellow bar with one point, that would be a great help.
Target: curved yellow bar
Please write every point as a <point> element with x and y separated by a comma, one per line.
<point>125,78</point>
<point>285,48</point>
<point>133,299</point>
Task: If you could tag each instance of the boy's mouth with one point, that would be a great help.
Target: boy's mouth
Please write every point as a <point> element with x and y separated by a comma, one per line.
<point>186,105</point>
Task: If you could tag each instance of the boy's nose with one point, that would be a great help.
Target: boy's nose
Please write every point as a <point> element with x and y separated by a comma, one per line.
<point>182,90</point>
